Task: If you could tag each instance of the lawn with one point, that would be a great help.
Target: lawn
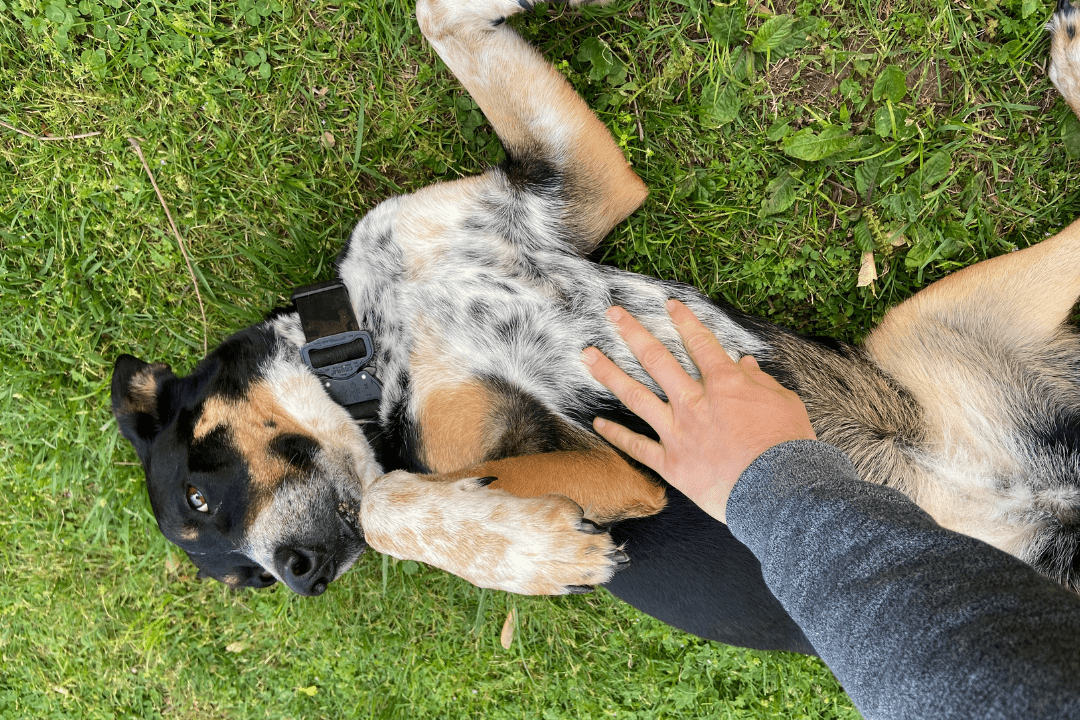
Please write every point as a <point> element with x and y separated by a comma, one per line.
<point>788,146</point>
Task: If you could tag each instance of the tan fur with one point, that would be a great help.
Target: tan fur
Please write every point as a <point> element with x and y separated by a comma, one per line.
<point>423,253</point>
<point>931,343</point>
<point>142,392</point>
<point>454,427</point>
<point>600,481</point>
<point>253,423</point>
<point>975,350</point>
<point>605,189</point>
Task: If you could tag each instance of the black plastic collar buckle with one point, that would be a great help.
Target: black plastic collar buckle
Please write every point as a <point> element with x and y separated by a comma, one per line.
<point>345,380</point>
<point>337,351</point>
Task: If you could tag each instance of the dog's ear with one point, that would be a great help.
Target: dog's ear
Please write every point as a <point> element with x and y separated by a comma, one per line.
<point>136,391</point>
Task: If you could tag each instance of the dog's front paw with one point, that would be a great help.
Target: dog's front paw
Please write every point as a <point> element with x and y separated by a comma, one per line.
<point>1064,27</point>
<point>547,548</point>
<point>531,546</point>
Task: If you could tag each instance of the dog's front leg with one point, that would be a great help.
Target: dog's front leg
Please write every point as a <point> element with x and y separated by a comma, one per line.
<point>555,145</point>
<point>530,546</point>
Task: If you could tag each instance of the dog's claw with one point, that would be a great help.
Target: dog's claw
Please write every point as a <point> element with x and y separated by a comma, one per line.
<point>579,589</point>
<point>588,526</point>
<point>621,558</point>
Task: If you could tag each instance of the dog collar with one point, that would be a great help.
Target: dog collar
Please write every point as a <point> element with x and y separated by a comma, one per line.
<point>337,350</point>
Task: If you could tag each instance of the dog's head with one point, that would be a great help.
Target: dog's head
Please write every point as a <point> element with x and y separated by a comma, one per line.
<point>251,468</point>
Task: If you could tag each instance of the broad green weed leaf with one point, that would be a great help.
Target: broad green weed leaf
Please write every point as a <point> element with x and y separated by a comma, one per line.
<point>866,176</point>
<point>888,119</point>
<point>781,193</point>
<point>883,121</point>
<point>864,239</point>
<point>55,13</point>
<point>1070,135</point>
<point>720,108</point>
<point>956,231</point>
<point>727,24</point>
<point>772,33</point>
<point>904,205</point>
<point>935,169</point>
<point>778,130</point>
<point>932,246</point>
<point>890,85</point>
<point>875,172</point>
<point>603,63</point>
<point>850,88</point>
<point>922,251</point>
<point>806,145</point>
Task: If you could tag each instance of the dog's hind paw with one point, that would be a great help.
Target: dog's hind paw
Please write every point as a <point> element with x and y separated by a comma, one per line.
<point>1064,27</point>
<point>530,546</point>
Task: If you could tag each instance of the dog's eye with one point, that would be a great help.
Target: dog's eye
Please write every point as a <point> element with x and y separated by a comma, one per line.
<point>196,500</point>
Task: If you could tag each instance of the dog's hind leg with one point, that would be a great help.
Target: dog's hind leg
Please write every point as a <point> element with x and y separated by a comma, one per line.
<point>554,144</point>
<point>1022,297</point>
<point>989,359</point>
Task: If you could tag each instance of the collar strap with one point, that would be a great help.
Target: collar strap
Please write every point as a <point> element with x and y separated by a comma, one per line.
<point>337,350</point>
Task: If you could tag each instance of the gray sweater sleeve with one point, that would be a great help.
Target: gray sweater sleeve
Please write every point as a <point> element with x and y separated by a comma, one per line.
<point>914,620</point>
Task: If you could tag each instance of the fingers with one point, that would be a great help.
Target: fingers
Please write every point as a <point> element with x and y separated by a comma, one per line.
<point>640,399</point>
<point>709,355</point>
<point>703,347</point>
<point>653,356</point>
<point>646,451</point>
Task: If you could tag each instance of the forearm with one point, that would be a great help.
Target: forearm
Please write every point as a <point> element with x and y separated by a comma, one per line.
<point>915,620</point>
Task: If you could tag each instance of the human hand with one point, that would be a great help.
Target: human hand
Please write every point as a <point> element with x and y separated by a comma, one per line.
<point>711,429</point>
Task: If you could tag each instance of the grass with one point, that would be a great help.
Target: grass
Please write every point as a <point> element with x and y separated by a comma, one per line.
<point>781,143</point>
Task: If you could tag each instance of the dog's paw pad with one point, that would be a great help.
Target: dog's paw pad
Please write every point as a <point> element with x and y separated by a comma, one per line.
<point>1064,28</point>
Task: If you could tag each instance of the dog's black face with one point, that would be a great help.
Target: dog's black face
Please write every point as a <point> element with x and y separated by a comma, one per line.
<point>251,469</point>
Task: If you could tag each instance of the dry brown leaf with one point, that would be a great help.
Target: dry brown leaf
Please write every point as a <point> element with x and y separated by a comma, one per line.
<point>328,139</point>
<point>868,272</point>
<point>319,92</point>
<point>507,635</point>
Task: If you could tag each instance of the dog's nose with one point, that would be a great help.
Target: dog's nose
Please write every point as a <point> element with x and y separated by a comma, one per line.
<point>304,570</point>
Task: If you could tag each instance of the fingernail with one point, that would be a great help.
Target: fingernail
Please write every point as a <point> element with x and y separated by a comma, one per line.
<point>600,423</point>
<point>590,355</point>
<point>671,304</point>
<point>615,313</point>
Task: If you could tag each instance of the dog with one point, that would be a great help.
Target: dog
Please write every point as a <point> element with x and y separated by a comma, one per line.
<point>431,402</point>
